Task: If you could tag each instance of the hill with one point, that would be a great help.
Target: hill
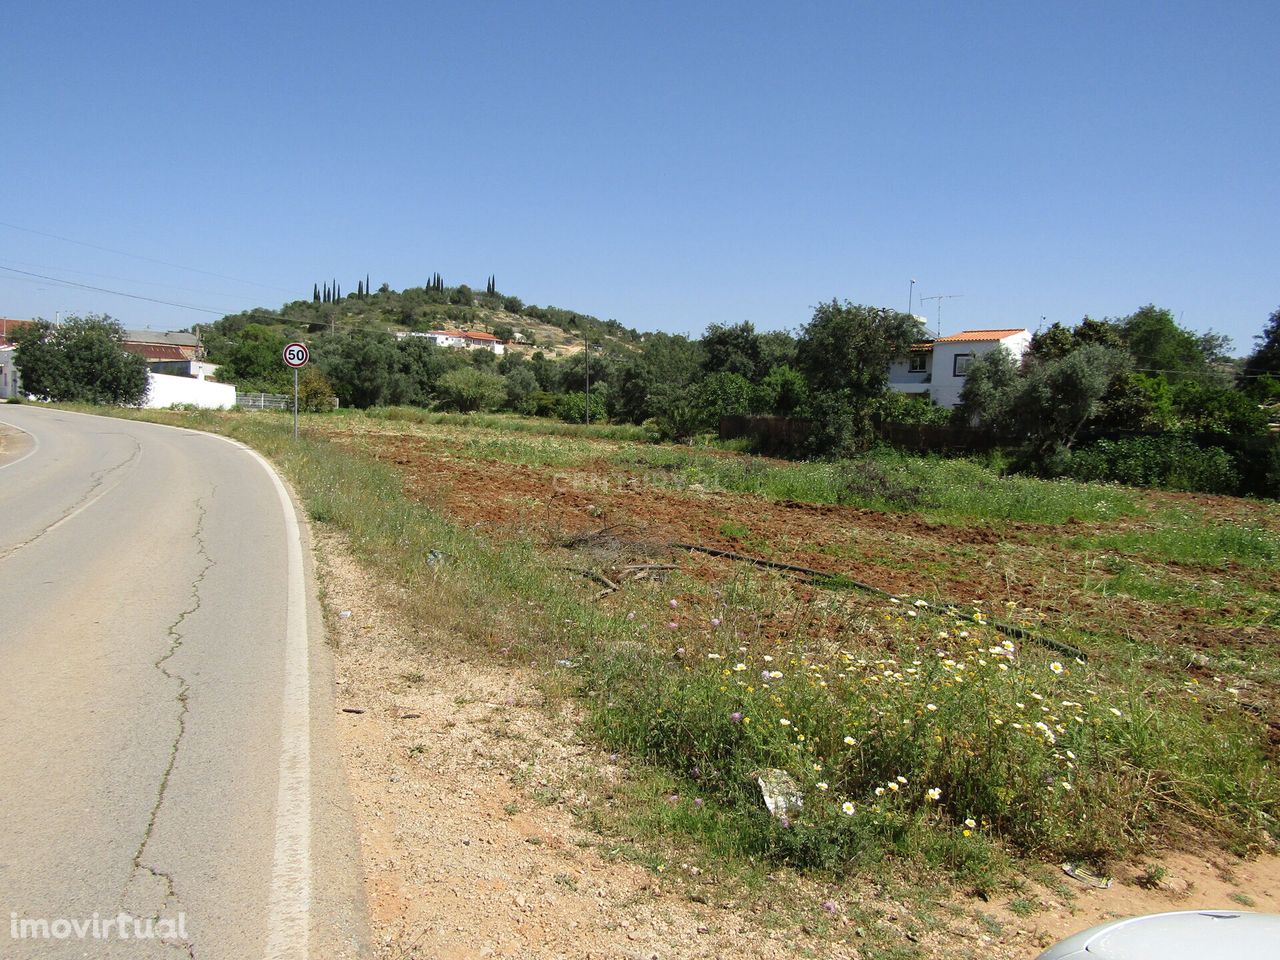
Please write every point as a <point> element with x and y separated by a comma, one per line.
<point>555,331</point>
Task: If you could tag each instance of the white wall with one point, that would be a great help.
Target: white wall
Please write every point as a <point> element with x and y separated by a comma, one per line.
<point>9,383</point>
<point>165,391</point>
<point>905,380</point>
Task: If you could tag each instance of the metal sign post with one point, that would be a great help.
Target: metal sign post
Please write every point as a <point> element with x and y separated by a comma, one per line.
<point>296,355</point>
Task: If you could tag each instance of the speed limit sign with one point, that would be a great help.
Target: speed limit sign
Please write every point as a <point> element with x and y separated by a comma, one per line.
<point>296,355</point>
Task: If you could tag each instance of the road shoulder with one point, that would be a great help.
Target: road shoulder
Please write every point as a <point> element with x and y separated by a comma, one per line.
<point>15,444</point>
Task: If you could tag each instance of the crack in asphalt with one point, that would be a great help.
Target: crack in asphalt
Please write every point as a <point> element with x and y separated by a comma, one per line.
<point>174,633</point>
<point>99,477</point>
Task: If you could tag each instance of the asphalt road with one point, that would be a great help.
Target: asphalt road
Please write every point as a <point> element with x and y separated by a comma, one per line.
<point>166,743</point>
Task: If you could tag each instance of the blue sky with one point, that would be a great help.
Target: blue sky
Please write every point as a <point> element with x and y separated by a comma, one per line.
<point>669,165</point>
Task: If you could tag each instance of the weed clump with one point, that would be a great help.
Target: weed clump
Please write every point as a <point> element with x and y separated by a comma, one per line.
<point>948,744</point>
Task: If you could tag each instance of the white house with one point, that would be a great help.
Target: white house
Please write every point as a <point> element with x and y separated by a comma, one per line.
<point>484,341</point>
<point>936,368</point>
<point>459,339</point>
<point>10,384</point>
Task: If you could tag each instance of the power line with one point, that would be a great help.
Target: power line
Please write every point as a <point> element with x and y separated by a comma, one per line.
<point>117,293</point>
<point>108,276</point>
<point>136,256</point>
<point>29,277</point>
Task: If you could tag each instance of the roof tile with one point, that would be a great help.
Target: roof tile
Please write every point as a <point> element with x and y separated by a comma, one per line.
<point>970,336</point>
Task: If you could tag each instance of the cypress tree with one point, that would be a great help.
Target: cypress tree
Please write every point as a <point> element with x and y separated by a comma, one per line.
<point>315,293</point>
<point>366,285</point>
<point>338,288</point>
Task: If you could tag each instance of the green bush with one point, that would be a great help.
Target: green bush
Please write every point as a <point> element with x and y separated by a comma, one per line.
<point>1170,462</point>
<point>315,392</point>
<point>913,409</point>
<point>468,389</point>
<point>572,408</point>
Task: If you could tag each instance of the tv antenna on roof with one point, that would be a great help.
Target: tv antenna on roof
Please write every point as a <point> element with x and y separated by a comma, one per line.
<point>940,297</point>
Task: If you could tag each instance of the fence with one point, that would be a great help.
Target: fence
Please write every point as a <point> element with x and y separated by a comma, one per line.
<point>271,401</point>
<point>768,434</point>
<point>788,435</point>
<point>931,438</point>
<point>264,401</point>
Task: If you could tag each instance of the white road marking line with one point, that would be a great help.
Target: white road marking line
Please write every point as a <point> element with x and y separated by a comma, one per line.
<point>95,494</point>
<point>289,910</point>
<point>35,445</point>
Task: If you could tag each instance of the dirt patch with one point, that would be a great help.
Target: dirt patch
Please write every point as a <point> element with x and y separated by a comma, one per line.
<point>1179,881</point>
<point>1031,565</point>
<point>14,444</point>
<point>463,779</point>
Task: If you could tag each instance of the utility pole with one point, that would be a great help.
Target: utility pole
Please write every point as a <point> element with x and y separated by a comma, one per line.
<point>910,295</point>
<point>940,298</point>
<point>586,353</point>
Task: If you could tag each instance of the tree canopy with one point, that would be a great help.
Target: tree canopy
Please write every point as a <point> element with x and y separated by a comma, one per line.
<point>1266,356</point>
<point>81,360</point>
<point>845,352</point>
<point>732,349</point>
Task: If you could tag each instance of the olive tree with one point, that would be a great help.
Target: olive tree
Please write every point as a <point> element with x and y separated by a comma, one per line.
<point>845,352</point>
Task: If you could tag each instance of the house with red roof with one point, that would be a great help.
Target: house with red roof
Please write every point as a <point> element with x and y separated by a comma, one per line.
<point>9,330</point>
<point>461,339</point>
<point>937,368</point>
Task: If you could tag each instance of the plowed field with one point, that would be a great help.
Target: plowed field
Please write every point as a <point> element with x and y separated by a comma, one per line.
<point>1081,578</point>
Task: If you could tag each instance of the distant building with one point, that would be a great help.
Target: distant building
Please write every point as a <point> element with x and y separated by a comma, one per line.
<point>9,330</point>
<point>175,375</point>
<point>10,382</point>
<point>156,345</point>
<point>937,368</point>
<point>198,369</point>
<point>461,340</point>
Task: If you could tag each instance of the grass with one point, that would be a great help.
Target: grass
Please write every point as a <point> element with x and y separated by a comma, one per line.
<point>1194,543</point>
<point>1023,906</point>
<point>914,740</point>
<point>946,490</point>
<point>503,422</point>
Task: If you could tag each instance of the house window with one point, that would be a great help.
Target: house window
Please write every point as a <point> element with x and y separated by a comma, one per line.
<point>961,364</point>
<point>916,363</point>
